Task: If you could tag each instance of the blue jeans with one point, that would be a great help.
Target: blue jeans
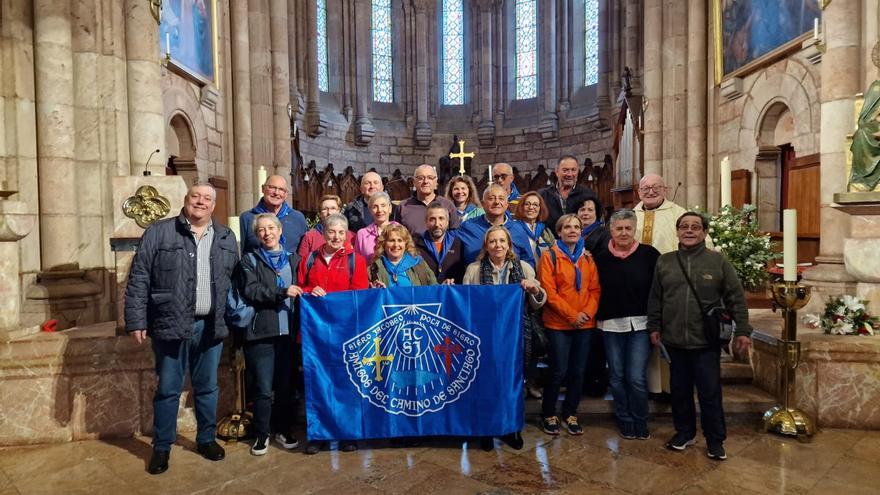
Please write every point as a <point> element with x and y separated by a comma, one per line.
<point>627,354</point>
<point>700,368</point>
<point>568,359</point>
<point>201,353</point>
<point>269,365</point>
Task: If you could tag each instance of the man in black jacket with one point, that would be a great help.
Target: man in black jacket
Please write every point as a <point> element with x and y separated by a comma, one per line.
<point>566,195</point>
<point>176,295</point>
<point>439,248</point>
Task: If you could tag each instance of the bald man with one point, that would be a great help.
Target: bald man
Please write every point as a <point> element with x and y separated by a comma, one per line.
<point>473,231</point>
<point>274,200</point>
<point>502,174</point>
<point>411,213</point>
<point>357,212</point>
<point>566,194</point>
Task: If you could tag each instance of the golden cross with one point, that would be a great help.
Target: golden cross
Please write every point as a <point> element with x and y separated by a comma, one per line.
<point>378,359</point>
<point>461,155</point>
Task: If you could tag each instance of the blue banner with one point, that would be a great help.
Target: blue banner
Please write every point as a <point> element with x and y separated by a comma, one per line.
<point>413,361</point>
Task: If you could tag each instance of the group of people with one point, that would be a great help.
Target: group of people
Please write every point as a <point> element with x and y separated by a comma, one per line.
<point>623,282</point>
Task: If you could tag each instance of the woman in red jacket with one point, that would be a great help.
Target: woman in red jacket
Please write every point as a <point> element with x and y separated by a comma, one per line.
<point>569,276</point>
<point>333,267</point>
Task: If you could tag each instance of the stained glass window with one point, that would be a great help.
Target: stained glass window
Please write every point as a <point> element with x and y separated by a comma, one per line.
<point>453,52</point>
<point>323,79</point>
<point>526,18</point>
<point>383,64</point>
<point>591,42</point>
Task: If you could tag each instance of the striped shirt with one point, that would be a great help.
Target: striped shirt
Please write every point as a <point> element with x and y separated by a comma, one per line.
<point>203,269</point>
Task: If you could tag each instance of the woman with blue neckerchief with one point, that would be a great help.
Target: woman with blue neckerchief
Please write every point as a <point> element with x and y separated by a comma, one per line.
<point>266,280</point>
<point>532,212</point>
<point>594,233</point>
<point>463,194</point>
<point>395,263</point>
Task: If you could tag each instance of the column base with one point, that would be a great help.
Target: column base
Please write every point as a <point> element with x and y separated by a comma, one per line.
<point>423,134</point>
<point>64,295</point>
<point>828,278</point>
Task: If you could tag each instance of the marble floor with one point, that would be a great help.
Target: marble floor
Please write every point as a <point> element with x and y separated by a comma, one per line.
<point>837,461</point>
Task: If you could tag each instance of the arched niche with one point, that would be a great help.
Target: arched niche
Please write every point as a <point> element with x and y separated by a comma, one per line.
<point>182,148</point>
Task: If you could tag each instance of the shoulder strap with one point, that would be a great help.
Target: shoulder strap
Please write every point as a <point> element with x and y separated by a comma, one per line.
<point>690,284</point>
<point>350,267</point>
<point>310,261</point>
<point>553,259</point>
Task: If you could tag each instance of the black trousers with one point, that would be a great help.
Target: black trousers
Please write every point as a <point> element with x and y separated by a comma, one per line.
<point>269,367</point>
<point>700,368</point>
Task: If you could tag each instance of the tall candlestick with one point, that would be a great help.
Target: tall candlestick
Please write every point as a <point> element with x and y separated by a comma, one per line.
<point>233,224</point>
<point>815,28</point>
<point>789,245</point>
<point>167,43</point>
<point>490,174</point>
<point>261,176</point>
<point>725,182</point>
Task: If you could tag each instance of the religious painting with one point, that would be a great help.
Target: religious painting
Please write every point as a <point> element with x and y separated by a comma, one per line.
<point>751,32</point>
<point>187,36</point>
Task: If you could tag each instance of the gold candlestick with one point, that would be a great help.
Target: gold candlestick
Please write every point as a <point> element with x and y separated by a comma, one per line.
<point>235,426</point>
<point>786,419</point>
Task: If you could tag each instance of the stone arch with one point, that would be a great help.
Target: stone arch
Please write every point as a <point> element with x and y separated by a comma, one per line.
<point>186,132</point>
<point>782,107</point>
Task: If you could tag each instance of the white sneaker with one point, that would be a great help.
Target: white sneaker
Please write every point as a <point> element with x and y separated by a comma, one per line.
<point>261,446</point>
<point>289,442</point>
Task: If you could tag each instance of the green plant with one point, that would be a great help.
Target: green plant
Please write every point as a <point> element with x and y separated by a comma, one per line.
<point>736,234</point>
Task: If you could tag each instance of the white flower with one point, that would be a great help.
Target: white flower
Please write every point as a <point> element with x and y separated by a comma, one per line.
<point>853,303</point>
<point>811,320</point>
<point>846,328</point>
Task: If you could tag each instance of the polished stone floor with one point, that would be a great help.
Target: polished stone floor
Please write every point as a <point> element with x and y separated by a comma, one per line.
<point>837,461</point>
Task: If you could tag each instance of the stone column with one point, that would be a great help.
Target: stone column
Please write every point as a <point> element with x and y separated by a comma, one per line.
<point>241,107</point>
<point>15,223</point>
<point>486,128</point>
<point>840,82</point>
<point>632,44</point>
<point>280,87</point>
<point>423,12</point>
<point>695,180</point>
<point>675,54</point>
<point>653,147</point>
<point>363,124</point>
<point>598,116</point>
<point>316,123</point>
<point>547,76</point>
<point>293,56</point>
<point>565,71</point>
<point>261,88</point>
<point>146,112</point>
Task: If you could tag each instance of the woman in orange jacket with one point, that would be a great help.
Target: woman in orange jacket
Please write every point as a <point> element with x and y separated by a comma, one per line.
<point>569,276</point>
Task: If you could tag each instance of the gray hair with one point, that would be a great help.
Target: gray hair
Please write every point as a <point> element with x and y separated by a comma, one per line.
<point>623,214</point>
<point>493,187</point>
<point>377,196</point>
<point>335,219</point>
<point>203,184</point>
<point>270,216</point>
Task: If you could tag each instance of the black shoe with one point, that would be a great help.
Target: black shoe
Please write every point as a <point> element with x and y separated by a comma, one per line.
<point>260,446</point>
<point>627,431</point>
<point>348,445</point>
<point>715,451</point>
<point>487,444</point>
<point>515,440</point>
<point>211,451</point>
<point>288,441</point>
<point>680,442</point>
<point>641,430</point>
<point>159,462</point>
<point>312,448</point>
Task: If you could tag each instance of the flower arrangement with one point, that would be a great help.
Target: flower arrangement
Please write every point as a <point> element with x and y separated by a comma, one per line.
<point>735,233</point>
<point>844,315</point>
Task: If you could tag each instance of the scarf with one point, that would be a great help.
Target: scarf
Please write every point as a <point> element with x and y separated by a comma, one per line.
<point>277,260</point>
<point>486,270</point>
<point>432,250</point>
<point>514,192</point>
<point>573,257</point>
<point>283,212</point>
<point>320,227</point>
<point>467,209</point>
<point>619,253</point>
<point>394,271</point>
<point>589,229</point>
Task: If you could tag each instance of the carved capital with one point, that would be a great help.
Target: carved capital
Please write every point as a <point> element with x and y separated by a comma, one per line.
<point>598,116</point>
<point>423,134</point>
<point>209,97</point>
<point>316,122</point>
<point>15,221</point>
<point>364,131</point>
<point>549,126</point>
<point>423,6</point>
<point>486,133</point>
<point>732,88</point>
<point>485,5</point>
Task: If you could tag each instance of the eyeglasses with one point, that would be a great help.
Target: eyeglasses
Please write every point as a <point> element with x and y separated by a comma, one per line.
<point>500,177</point>
<point>655,189</point>
<point>275,188</point>
<point>424,178</point>
<point>531,205</point>
<point>329,208</point>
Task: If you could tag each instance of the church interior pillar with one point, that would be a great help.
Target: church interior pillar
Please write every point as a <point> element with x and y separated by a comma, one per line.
<point>653,84</point>
<point>598,115</point>
<point>423,131</point>
<point>675,101</point>
<point>261,88</point>
<point>486,129</point>
<point>317,123</point>
<point>549,123</point>
<point>363,124</point>
<point>293,55</point>
<point>241,107</point>
<point>280,87</point>
<point>146,113</point>
<point>695,182</point>
<point>632,43</point>
<point>841,69</point>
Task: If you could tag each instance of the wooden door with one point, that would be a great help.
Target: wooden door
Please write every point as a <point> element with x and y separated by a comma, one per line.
<point>800,190</point>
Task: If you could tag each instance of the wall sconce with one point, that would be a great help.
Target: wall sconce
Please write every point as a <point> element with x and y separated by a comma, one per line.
<point>156,10</point>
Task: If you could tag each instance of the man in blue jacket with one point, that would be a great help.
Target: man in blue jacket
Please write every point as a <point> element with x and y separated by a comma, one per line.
<point>293,223</point>
<point>474,230</point>
<point>176,295</point>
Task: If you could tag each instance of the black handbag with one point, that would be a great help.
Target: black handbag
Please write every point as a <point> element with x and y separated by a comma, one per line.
<point>718,324</point>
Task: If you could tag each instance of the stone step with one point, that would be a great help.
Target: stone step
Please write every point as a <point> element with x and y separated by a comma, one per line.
<point>742,400</point>
<point>735,372</point>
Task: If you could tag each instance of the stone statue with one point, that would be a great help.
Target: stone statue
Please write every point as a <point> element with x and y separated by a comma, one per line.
<point>865,174</point>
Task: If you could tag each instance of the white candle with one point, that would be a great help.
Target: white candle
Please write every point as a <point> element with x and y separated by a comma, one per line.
<point>261,176</point>
<point>789,245</point>
<point>725,182</point>
<point>233,225</point>
<point>816,28</point>
<point>167,43</point>
<point>490,174</point>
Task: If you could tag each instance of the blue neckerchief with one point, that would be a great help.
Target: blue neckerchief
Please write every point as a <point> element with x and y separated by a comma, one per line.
<point>514,192</point>
<point>320,227</point>
<point>277,260</point>
<point>536,235</point>
<point>283,212</point>
<point>432,250</point>
<point>573,257</point>
<point>467,209</point>
<point>394,271</point>
<point>590,228</point>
